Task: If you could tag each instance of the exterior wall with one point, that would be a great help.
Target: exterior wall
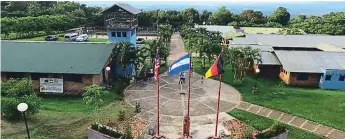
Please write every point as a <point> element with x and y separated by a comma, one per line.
<point>3,77</point>
<point>131,36</point>
<point>313,80</point>
<point>334,83</point>
<point>270,71</point>
<point>284,76</point>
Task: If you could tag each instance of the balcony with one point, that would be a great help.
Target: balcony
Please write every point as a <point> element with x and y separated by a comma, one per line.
<point>113,23</point>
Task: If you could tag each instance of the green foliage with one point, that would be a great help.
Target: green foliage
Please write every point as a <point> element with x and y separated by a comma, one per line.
<point>276,129</point>
<point>108,131</point>
<point>34,103</point>
<point>262,123</point>
<point>16,91</point>
<point>128,132</point>
<point>290,31</point>
<point>241,60</point>
<point>17,87</point>
<point>221,17</point>
<point>121,115</point>
<point>94,95</point>
<point>280,15</point>
<point>9,108</point>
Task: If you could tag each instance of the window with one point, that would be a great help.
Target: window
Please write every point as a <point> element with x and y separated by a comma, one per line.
<point>118,34</point>
<point>113,34</point>
<point>342,78</point>
<point>73,78</point>
<point>124,34</point>
<point>302,76</point>
<point>37,76</point>
<point>328,77</point>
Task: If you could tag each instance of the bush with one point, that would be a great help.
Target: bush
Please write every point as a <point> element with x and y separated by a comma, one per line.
<point>128,132</point>
<point>61,35</point>
<point>276,129</point>
<point>121,115</point>
<point>105,130</point>
<point>17,87</point>
<point>34,103</point>
<point>9,108</point>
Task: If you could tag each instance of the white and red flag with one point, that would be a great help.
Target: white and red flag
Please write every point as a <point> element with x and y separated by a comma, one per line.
<point>157,66</point>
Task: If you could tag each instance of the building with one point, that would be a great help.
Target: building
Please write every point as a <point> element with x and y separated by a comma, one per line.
<point>332,79</point>
<point>305,68</point>
<point>56,67</point>
<point>121,22</point>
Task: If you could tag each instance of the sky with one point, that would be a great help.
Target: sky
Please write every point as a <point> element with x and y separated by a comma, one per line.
<point>267,7</point>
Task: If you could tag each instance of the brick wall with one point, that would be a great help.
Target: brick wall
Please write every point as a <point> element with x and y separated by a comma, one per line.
<point>271,71</point>
<point>313,80</point>
<point>284,76</point>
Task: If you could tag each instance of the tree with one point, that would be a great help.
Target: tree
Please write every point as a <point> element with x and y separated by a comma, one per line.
<point>241,60</point>
<point>280,15</point>
<point>93,96</point>
<point>125,54</point>
<point>190,16</point>
<point>221,17</point>
<point>290,31</point>
<point>204,17</point>
<point>253,16</point>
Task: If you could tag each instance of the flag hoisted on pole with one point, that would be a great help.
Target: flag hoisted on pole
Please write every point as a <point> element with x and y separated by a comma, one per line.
<point>182,64</point>
<point>156,76</point>
<point>216,69</point>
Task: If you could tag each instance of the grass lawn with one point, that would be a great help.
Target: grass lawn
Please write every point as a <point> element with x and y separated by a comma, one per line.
<point>65,118</point>
<point>261,123</point>
<point>97,40</point>
<point>322,106</point>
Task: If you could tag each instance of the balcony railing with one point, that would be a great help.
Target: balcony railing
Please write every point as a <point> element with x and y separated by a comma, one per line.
<point>121,24</point>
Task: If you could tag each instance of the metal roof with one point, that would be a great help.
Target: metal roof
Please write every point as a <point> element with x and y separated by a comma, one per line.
<point>126,7</point>
<point>329,48</point>
<point>263,48</point>
<point>54,57</point>
<point>310,61</point>
<point>306,41</point>
<point>268,58</point>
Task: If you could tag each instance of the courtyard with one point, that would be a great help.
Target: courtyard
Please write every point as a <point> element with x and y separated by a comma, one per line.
<point>173,104</point>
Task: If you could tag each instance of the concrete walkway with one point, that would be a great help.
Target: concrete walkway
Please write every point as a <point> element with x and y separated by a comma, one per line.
<point>316,128</point>
<point>295,121</point>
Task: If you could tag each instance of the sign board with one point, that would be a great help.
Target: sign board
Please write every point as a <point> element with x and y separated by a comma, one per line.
<point>51,85</point>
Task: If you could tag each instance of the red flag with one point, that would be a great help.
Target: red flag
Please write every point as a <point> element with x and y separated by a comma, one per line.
<point>157,66</point>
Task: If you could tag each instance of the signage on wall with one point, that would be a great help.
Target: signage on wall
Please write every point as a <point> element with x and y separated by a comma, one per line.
<point>51,85</point>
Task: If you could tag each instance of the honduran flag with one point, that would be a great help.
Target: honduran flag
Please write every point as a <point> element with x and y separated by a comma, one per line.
<point>216,68</point>
<point>180,65</point>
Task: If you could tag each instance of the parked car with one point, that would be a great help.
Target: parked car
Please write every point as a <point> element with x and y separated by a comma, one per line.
<point>82,38</point>
<point>71,36</point>
<point>51,38</point>
<point>140,40</point>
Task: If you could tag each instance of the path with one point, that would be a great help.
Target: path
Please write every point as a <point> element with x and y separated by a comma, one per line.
<point>203,104</point>
<point>295,121</point>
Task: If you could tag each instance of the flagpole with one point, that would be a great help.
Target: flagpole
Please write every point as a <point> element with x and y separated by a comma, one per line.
<point>220,84</point>
<point>158,135</point>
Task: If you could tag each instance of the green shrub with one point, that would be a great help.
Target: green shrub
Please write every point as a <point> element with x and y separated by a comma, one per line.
<point>94,126</point>
<point>17,87</point>
<point>121,115</point>
<point>9,108</point>
<point>104,130</point>
<point>128,132</point>
<point>34,103</point>
<point>61,35</point>
<point>276,129</point>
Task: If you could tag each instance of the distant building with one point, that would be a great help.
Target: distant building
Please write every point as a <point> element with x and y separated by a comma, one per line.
<point>121,22</point>
<point>56,67</point>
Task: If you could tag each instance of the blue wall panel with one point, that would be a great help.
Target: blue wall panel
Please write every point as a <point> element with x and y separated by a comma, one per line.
<point>334,82</point>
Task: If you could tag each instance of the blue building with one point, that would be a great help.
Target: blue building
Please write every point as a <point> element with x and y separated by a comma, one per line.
<point>121,22</point>
<point>332,79</point>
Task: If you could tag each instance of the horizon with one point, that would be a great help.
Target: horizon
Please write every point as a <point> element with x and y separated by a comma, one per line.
<point>266,7</point>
